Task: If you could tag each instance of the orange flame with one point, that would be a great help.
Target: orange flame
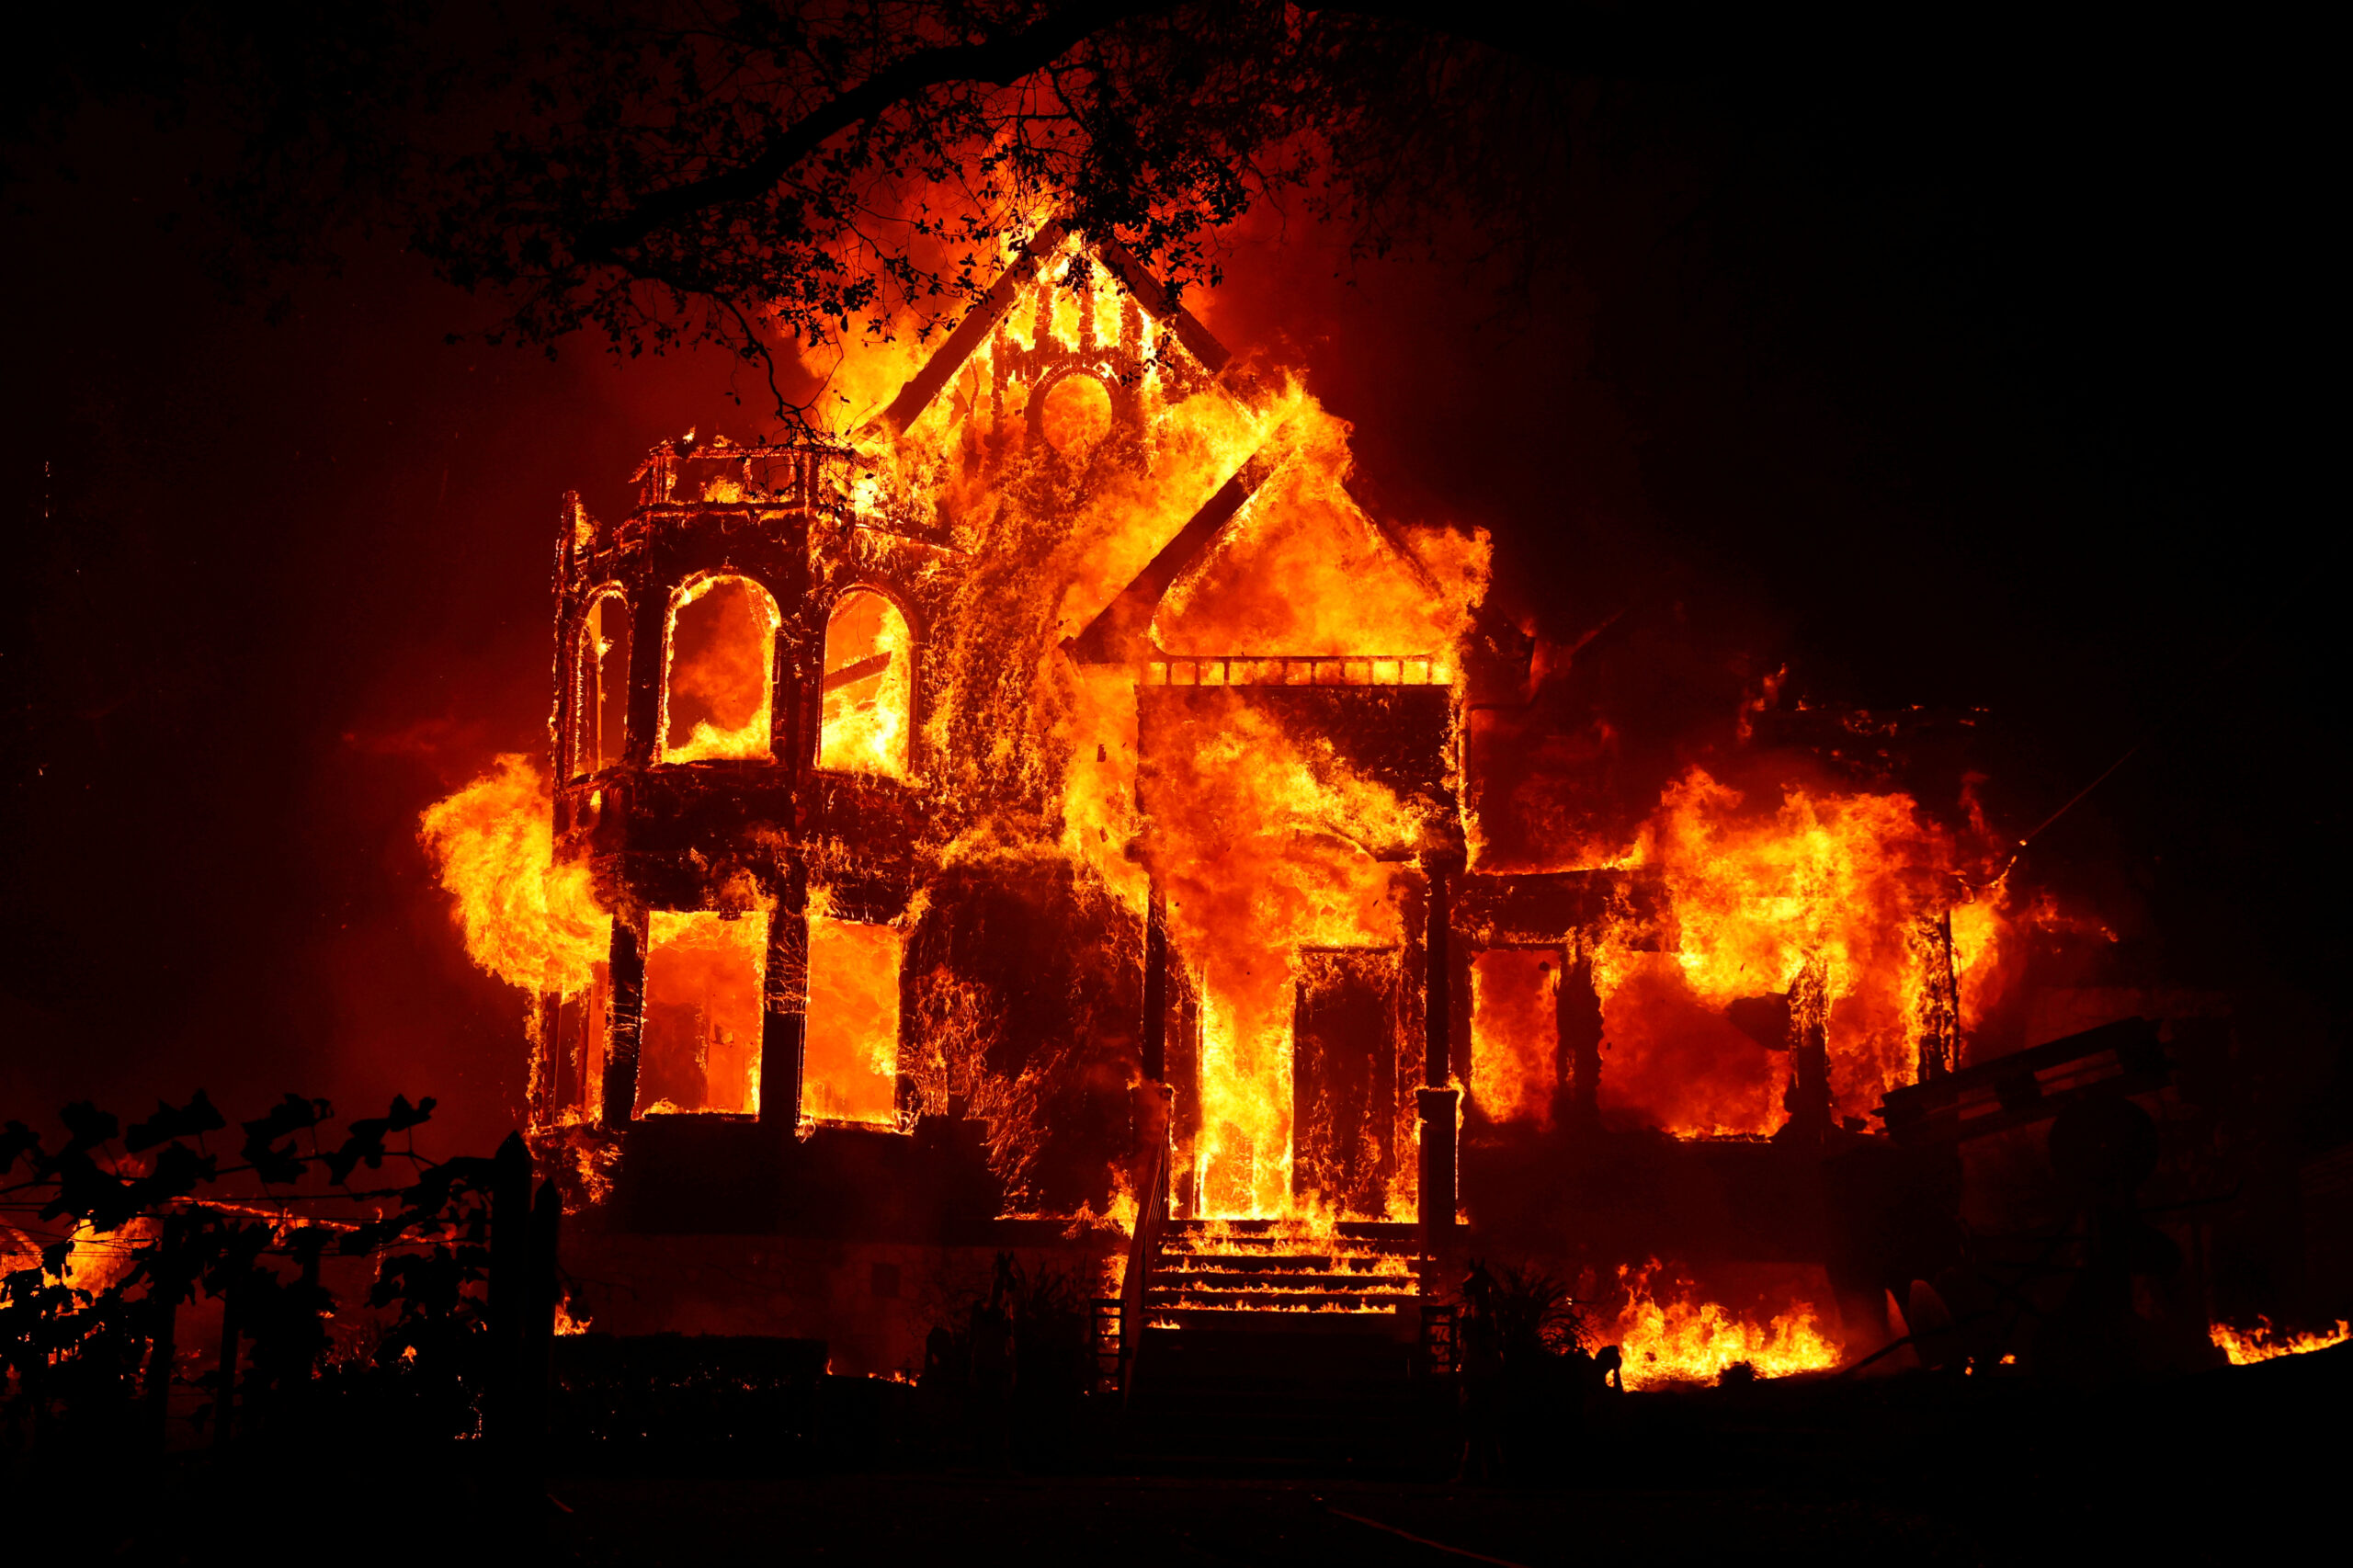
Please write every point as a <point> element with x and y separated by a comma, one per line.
<point>531,922</point>
<point>870,688</point>
<point>1515,1033</point>
<point>852,1071</point>
<point>2262,1343</point>
<point>1819,897</point>
<point>723,635</point>
<point>1685,1340</point>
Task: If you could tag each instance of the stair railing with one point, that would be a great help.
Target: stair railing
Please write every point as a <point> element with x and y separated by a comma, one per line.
<point>1144,1253</point>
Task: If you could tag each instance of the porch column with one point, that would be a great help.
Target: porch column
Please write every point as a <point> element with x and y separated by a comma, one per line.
<point>625,1022</point>
<point>784,1011</point>
<point>1435,1100</point>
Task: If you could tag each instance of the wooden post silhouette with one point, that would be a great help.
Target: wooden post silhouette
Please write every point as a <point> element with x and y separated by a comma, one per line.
<point>164,1286</point>
<point>537,1365</point>
<point>224,1404</point>
<point>510,1292</point>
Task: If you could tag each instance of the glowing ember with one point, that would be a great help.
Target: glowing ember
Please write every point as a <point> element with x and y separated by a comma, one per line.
<point>2261,1342</point>
<point>1684,1340</point>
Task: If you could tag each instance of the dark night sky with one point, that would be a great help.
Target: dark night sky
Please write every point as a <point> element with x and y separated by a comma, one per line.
<point>1973,389</point>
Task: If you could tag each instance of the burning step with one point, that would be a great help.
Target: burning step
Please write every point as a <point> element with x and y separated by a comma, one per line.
<point>1260,1277</point>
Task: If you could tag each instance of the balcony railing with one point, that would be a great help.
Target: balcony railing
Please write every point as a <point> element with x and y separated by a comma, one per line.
<point>1389,670</point>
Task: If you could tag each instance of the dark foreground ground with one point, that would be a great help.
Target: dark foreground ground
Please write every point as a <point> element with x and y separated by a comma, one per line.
<point>2243,1466</point>
<point>954,1519</point>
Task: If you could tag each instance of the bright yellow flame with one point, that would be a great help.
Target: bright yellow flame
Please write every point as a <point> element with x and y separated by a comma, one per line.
<point>531,922</point>
<point>1685,1340</point>
<point>1829,883</point>
<point>2247,1347</point>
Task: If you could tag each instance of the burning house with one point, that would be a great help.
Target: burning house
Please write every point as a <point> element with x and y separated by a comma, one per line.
<point>1059,815</point>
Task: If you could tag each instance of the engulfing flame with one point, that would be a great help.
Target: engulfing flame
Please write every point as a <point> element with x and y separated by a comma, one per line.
<point>869,689</point>
<point>1515,1033</point>
<point>1818,896</point>
<point>531,922</point>
<point>1265,839</point>
<point>1304,570</point>
<point>1266,844</point>
<point>1687,1340</point>
<point>2262,1343</point>
<point>723,642</point>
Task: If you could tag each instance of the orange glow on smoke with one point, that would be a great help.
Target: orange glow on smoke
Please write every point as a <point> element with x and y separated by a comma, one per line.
<point>534,924</point>
<point>701,1049</point>
<point>722,685</point>
<point>851,1070</point>
<point>1687,1340</point>
<point>2247,1347</point>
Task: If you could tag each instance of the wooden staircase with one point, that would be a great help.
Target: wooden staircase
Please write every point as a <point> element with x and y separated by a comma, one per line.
<point>1262,1276</point>
<point>1268,1346</point>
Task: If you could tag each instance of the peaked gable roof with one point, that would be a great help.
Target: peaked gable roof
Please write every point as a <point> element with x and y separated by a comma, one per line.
<point>1123,632</point>
<point>981,320</point>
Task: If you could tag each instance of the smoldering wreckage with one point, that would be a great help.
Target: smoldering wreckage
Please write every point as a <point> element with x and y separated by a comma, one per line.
<point>1053,830</point>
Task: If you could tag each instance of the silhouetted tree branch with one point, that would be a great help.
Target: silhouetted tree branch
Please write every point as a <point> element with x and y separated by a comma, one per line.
<point>776,175</point>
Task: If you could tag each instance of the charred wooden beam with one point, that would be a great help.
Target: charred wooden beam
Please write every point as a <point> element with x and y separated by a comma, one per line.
<point>784,1013</point>
<point>1437,998</point>
<point>1940,1040</point>
<point>626,1020</point>
<point>2027,1087</point>
<point>1121,633</point>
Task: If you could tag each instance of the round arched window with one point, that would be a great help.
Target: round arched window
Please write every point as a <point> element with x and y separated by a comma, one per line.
<point>869,723</point>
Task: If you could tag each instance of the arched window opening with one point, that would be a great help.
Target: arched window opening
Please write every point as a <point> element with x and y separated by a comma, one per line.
<point>600,714</point>
<point>869,721</point>
<point>850,1069</point>
<point>721,683</point>
<point>701,1047</point>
